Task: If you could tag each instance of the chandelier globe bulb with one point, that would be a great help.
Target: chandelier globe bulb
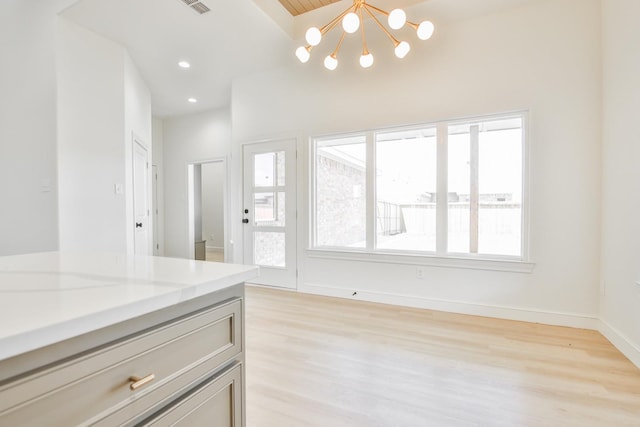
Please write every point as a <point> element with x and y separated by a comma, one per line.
<point>330,62</point>
<point>402,49</point>
<point>425,30</point>
<point>302,53</point>
<point>313,36</point>
<point>397,18</point>
<point>351,23</point>
<point>366,60</point>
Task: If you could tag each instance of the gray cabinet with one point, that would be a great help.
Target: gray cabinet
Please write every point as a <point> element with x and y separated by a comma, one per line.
<point>187,368</point>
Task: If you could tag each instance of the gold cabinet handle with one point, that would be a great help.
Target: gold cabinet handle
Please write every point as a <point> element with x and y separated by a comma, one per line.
<point>137,382</point>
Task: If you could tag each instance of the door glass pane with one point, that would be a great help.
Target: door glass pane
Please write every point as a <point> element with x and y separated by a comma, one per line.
<point>269,170</point>
<point>269,209</point>
<point>280,161</point>
<point>500,187</point>
<point>406,190</point>
<point>459,171</point>
<point>269,248</point>
<point>340,196</point>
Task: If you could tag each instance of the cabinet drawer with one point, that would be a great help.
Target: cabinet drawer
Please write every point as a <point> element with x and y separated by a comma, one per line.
<point>75,391</point>
<point>219,399</point>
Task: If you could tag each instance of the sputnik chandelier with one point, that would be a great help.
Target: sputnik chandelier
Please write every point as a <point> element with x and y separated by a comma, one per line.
<point>352,20</point>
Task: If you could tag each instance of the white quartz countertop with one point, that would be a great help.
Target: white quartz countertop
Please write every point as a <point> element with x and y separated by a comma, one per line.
<point>48,297</point>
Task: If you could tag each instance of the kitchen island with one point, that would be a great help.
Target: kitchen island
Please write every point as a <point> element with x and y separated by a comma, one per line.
<point>109,339</point>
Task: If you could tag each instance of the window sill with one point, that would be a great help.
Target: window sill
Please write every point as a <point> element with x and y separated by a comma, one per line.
<point>491,264</point>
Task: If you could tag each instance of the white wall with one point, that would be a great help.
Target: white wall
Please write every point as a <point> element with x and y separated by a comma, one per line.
<point>28,184</point>
<point>90,140</point>
<point>102,102</point>
<point>544,57</point>
<point>213,179</point>
<point>189,139</point>
<point>620,302</point>
<point>157,138</point>
<point>137,125</point>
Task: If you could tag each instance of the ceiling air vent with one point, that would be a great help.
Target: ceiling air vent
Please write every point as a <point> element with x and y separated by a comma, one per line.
<point>196,5</point>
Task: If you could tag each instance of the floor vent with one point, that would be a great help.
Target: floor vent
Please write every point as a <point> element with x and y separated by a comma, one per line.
<point>196,5</point>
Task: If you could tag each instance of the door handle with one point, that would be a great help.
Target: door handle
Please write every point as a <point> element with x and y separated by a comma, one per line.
<point>245,221</point>
<point>138,225</point>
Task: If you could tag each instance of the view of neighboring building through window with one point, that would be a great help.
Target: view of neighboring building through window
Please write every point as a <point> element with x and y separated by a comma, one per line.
<point>466,199</point>
<point>340,192</point>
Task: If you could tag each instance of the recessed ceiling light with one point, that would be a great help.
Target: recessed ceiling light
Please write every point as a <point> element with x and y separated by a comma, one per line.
<point>192,100</point>
<point>184,64</point>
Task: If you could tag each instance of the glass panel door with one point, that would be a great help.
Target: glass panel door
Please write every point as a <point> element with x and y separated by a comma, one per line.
<point>270,211</point>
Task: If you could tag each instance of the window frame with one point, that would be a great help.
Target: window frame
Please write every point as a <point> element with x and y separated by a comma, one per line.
<point>440,257</point>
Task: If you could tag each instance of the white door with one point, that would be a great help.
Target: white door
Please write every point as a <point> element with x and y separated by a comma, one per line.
<point>270,211</point>
<point>141,199</point>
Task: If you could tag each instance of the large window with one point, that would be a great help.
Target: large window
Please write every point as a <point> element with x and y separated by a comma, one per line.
<point>448,188</point>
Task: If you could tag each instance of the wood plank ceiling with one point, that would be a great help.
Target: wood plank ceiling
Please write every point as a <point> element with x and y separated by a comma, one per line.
<point>298,7</point>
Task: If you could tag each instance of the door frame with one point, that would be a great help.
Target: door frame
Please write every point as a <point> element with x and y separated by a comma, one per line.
<point>228,256</point>
<point>155,211</point>
<point>137,141</point>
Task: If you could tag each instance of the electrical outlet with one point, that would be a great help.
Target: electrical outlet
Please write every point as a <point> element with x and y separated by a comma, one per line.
<point>420,273</point>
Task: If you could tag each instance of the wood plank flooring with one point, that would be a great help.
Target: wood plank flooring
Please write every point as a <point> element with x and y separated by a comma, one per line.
<point>324,362</point>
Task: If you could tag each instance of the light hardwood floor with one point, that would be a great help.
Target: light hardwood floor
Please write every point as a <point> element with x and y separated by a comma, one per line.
<point>214,255</point>
<point>323,362</point>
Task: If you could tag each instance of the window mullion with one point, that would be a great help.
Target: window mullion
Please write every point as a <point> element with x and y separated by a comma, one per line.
<point>442,227</point>
<point>371,191</point>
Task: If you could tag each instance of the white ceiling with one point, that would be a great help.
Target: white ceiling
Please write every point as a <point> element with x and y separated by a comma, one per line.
<point>236,38</point>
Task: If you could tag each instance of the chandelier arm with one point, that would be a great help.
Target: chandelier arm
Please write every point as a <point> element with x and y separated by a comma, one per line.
<point>335,52</point>
<point>364,39</point>
<point>331,24</point>
<point>393,39</point>
<point>412,25</point>
<point>377,9</point>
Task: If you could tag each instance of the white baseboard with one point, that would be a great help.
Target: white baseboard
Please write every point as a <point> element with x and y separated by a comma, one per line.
<point>526,315</point>
<point>621,342</point>
<point>215,248</point>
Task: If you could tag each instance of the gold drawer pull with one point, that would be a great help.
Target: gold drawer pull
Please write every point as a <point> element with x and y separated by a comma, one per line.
<point>137,382</point>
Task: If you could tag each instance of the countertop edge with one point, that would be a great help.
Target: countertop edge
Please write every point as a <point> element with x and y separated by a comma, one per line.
<point>15,345</point>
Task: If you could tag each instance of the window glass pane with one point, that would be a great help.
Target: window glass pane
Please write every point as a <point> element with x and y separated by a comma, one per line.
<point>406,190</point>
<point>340,196</point>
<point>459,188</point>
<point>269,209</point>
<point>269,249</point>
<point>269,169</point>
<point>500,187</point>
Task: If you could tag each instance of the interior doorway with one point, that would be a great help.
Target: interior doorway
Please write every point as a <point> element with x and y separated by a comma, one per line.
<point>208,211</point>
<point>141,199</point>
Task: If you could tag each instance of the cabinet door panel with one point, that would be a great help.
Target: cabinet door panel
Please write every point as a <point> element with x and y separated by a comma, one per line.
<point>216,402</point>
